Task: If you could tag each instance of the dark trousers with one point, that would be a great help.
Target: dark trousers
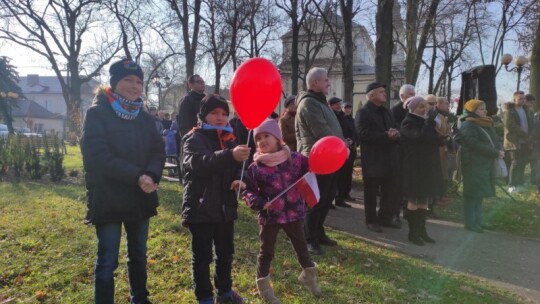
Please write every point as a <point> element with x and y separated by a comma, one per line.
<point>390,201</point>
<point>204,236</point>
<point>519,158</point>
<point>268,235</point>
<point>315,217</point>
<point>344,178</point>
<point>108,237</point>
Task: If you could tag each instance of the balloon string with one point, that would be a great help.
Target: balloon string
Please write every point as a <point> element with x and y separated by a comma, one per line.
<point>243,166</point>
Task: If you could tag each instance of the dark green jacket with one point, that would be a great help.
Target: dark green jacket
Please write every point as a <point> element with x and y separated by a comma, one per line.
<point>477,157</point>
<point>314,120</point>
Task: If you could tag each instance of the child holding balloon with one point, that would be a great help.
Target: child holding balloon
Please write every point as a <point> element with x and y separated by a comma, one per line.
<point>274,169</point>
<point>211,162</point>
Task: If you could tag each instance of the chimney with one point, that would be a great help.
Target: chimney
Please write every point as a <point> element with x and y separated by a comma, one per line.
<point>32,80</point>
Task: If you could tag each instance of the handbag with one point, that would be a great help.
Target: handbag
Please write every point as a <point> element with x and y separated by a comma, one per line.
<point>499,166</point>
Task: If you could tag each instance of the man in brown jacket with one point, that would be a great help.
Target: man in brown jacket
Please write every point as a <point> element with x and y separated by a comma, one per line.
<point>286,122</point>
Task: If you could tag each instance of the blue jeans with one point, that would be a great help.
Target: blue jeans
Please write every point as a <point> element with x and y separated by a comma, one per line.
<point>108,236</point>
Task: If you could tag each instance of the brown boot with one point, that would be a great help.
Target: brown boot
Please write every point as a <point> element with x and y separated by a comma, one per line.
<point>265,290</point>
<point>308,277</point>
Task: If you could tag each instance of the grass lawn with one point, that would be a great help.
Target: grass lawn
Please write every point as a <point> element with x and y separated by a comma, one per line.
<point>47,255</point>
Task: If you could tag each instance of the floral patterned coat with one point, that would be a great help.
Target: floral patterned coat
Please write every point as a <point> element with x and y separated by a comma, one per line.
<point>264,183</point>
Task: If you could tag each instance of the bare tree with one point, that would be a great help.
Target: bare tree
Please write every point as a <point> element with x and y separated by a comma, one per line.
<point>297,11</point>
<point>218,38</point>
<point>190,29</point>
<point>132,21</point>
<point>384,43</point>
<point>55,31</point>
<point>261,27</point>
<point>341,30</point>
<point>415,52</point>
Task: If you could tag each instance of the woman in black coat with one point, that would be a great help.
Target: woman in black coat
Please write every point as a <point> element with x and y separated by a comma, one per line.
<point>123,157</point>
<point>421,166</point>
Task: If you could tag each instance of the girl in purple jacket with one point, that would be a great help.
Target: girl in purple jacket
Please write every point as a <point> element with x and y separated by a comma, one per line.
<point>273,170</point>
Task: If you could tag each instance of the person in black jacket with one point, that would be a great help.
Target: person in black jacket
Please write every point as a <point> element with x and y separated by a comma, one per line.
<point>422,173</point>
<point>212,161</point>
<point>190,105</point>
<point>399,111</point>
<point>123,157</point>
<point>379,156</point>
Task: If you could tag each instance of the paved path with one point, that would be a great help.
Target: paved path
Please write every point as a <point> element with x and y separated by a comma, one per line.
<point>506,261</point>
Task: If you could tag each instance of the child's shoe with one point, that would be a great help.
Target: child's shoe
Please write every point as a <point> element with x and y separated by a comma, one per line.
<point>308,277</point>
<point>230,297</point>
<point>265,290</point>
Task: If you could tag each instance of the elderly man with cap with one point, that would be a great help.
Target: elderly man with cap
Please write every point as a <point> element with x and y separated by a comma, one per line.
<point>380,159</point>
<point>344,181</point>
<point>315,120</point>
<point>123,157</point>
<point>335,104</point>
<point>286,122</point>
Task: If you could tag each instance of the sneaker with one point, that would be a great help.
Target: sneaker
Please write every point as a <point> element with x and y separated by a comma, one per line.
<point>230,297</point>
<point>341,203</point>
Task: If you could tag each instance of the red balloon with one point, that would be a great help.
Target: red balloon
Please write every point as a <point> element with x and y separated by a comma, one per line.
<point>255,91</point>
<point>327,155</point>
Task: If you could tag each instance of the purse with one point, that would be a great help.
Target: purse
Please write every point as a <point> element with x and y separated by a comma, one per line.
<point>499,166</point>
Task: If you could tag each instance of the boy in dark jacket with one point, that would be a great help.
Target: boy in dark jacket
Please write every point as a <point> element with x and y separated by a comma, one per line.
<point>211,163</point>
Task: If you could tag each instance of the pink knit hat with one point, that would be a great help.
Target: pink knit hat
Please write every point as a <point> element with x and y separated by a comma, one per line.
<point>412,102</point>
<point>268,126</point>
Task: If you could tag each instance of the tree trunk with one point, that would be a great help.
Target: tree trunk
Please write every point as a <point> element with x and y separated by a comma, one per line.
<point>347,60</point>
<point>411,20</point>
<point>295,63</point>
<point>384,44</point>
<point>535,69</point>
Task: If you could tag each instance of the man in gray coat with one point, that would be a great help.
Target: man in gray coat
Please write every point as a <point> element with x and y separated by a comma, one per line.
<point>315,120</point>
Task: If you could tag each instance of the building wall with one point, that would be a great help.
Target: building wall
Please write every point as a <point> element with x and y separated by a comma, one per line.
<point>41,125</point>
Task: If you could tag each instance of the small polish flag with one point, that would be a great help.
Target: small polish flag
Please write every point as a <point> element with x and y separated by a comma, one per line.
<point>308,188</point>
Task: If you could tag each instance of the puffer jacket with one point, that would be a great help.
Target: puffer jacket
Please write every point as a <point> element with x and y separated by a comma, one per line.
<point>265,183</point>
<point>116,152</point>
<point>314,120</point>
<point>209,171</point>
<point>512,130</point>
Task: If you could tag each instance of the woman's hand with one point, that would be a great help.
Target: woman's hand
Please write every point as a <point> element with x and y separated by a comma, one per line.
<point>238,184</point>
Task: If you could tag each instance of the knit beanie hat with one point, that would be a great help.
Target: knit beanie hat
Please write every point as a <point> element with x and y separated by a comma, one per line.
<point>472,105</point>
<point>209,103</point>
<point>289,100</point>
<point>123,68</point>
<point>268,126</point>
<point>412,102</point>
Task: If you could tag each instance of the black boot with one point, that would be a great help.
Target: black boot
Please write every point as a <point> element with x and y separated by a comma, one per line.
<point>414,236</point>
<point>422,213</point>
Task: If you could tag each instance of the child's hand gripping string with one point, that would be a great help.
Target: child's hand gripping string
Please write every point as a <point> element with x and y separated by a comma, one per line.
<point>238,185</point>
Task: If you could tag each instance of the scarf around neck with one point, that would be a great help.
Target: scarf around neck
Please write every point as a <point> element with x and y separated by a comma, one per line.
<point>483,122</point>
<point>224,134</point>
<point>125,109</point>
<point>273,159</point>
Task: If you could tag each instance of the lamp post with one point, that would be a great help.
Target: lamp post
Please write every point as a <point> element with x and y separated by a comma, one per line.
<point>520,63</point>
<point>156,80</point>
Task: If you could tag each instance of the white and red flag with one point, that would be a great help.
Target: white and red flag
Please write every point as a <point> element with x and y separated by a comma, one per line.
<point>308,188</point>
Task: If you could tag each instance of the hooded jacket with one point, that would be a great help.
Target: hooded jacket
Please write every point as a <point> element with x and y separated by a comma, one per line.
<point>116,152</point>
<point>314,120</point>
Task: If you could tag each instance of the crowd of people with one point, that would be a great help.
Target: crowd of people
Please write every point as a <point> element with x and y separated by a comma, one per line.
<point>403,158</point>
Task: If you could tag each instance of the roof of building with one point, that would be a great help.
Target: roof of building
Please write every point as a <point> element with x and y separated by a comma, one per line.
<point>30,108</point>
<point>36,84</point>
